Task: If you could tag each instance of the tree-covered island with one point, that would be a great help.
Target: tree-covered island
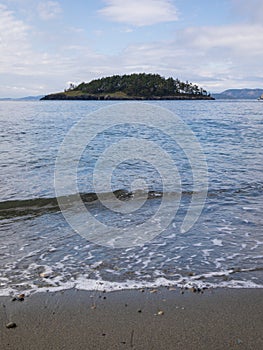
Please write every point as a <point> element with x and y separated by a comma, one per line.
<point>133,87</point>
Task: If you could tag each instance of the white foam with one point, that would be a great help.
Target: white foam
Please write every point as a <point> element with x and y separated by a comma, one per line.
<point>217,242</point>
<point>85,283</point>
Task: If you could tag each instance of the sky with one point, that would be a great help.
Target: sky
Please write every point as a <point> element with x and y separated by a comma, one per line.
<point>46,45</point>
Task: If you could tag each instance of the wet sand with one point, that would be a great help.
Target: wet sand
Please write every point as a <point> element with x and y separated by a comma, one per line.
<point>161,319</point>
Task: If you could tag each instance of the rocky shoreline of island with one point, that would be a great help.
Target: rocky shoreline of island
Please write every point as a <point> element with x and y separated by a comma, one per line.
<point>63,96</point>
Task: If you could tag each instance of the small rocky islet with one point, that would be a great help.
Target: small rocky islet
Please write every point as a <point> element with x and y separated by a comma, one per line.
<point>140,86</point>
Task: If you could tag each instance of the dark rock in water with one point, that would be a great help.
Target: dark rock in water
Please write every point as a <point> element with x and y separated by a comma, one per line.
<point>11,325</point>
<point>190,273</point>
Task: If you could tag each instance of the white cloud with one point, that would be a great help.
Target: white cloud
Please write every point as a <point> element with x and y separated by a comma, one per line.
<point>236,38</point>
<point>251,11</point>
<point>215,57</point>
<point>25,70</point>
<point>13,41</point>
<point>49,10</point>
<point>212,56</point>
<point>140,12</point>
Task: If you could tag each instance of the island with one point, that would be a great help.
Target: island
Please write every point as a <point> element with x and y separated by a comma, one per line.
<point>135,86</point>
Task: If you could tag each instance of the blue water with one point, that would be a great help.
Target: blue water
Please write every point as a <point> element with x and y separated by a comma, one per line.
<point>223,248</point>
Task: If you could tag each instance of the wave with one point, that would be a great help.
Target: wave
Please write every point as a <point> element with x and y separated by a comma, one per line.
<point>42,205</point>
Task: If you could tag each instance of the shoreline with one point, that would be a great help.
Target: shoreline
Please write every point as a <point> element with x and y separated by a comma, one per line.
<point>163,318</point>
<point>88,97</point>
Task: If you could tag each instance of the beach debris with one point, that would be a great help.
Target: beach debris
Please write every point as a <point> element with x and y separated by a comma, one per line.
<point>11,325</point>
<point>153,291</point>
<point>159,313</point>
<point>131,340</point>
<point>45,274</point>
<point>20,297</point>
<point>171,289</point>
<point>93,307</point>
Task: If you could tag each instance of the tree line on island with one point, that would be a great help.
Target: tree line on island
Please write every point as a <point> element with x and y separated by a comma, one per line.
<point>133,86</point>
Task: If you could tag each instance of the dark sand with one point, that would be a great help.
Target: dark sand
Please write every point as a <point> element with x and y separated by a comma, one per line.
<point>217,319</point>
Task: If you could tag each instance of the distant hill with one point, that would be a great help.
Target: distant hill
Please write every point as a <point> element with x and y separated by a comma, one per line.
<point>239,94</point>
<point>133,87</point>
<point>26,98</point>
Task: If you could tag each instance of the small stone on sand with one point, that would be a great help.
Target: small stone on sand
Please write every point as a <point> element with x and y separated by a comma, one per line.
<point>11,325</point>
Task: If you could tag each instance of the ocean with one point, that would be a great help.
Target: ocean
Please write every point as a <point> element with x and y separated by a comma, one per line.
<point>95,194</point>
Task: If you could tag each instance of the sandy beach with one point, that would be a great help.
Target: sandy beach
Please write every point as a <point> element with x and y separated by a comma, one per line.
<point>134,319</point>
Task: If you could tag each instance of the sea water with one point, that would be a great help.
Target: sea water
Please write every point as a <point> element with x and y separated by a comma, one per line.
<point>40,250</point>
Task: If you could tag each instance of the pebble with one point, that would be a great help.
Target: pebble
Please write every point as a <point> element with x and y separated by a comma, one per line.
<point>11,325</point>
<point>160,312</point>
<point>139,311</point>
